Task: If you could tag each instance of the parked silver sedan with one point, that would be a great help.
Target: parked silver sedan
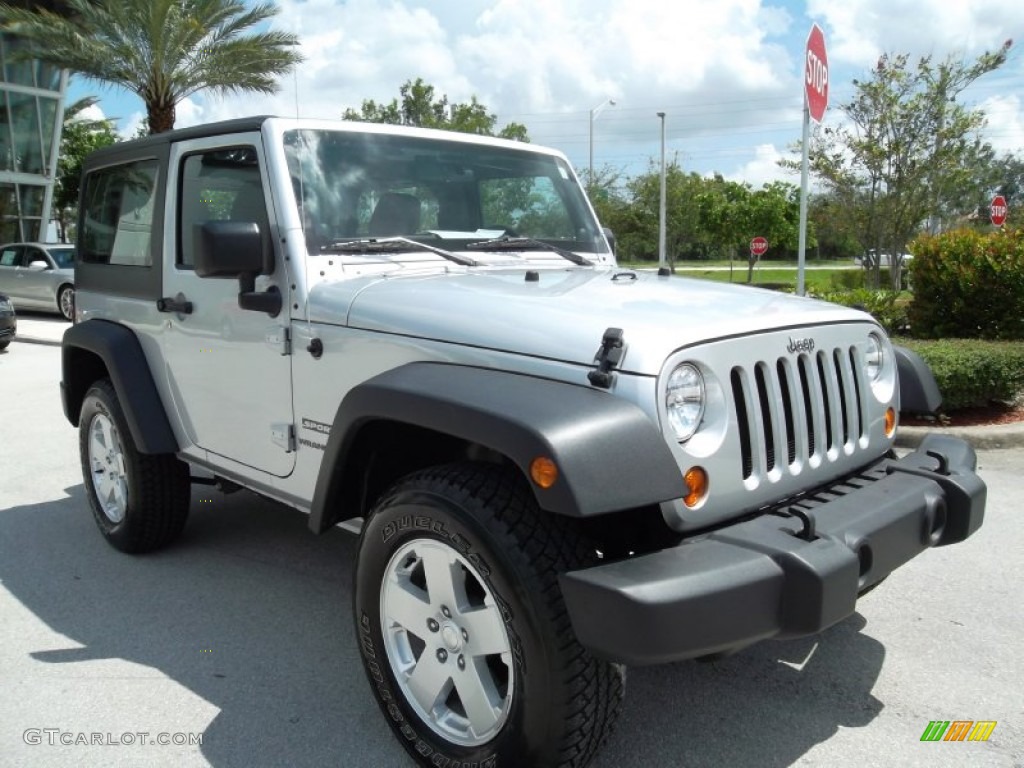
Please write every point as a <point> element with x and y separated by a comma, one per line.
<point>39,276</point>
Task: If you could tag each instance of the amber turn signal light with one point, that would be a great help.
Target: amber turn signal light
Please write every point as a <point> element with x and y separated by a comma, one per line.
<point>697,482</point>
<point>890,421</point>
<point>543,471</point>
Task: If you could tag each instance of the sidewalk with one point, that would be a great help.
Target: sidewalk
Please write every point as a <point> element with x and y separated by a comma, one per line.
<point>39,328</point>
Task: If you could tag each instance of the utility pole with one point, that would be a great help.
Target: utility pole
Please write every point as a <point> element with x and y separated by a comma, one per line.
<point>661,205</point>
<point>594,113</point>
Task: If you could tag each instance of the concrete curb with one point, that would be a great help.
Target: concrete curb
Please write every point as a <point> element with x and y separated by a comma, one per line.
<point>35,340</point>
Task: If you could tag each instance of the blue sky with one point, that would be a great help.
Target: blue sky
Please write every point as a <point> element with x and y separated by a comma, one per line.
<point>727,73</point>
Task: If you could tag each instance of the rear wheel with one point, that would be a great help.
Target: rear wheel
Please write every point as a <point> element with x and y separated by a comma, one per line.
<point>140,501</point>
<point>66,302</point>
<point>464,635</point>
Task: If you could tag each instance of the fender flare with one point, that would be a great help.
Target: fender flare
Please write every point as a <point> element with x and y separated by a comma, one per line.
<point>919,392</point>
<point>609,453</point>
<point>121,354</point>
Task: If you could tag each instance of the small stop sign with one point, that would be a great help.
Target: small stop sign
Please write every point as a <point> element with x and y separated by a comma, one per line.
<point>758,246</point>
<point>816,74</point>
<point>997,211</point>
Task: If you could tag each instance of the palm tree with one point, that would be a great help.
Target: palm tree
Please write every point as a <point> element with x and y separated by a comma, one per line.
<point>160,50</point>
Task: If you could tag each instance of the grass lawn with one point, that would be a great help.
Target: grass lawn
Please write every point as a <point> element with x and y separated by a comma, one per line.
<point>816,280</point>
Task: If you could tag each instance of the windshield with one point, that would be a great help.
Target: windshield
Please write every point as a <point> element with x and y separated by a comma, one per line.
<point>65,257</point>
<point>445,193</point>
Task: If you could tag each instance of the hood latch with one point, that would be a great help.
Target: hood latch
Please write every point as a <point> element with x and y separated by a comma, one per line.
<point>607,358</point>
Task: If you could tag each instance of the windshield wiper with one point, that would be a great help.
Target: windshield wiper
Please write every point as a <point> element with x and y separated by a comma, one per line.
<point>508,243</point>
<point>395,245</point>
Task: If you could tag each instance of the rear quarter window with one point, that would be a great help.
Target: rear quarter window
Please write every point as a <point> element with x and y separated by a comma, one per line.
<point>117,214</point>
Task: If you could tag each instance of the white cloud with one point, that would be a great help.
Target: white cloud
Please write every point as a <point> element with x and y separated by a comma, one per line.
<point>763,168</point>
<point>1005,130</point>
<point>858,31</point>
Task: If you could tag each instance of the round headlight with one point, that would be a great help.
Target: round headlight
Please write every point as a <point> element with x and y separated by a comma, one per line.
<point>874,357</point>
<point>684,400</point>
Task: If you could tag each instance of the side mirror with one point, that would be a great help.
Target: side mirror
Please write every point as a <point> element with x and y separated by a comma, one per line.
<point>231,249</point>
<point>38,265</point>
<point>236,249</point>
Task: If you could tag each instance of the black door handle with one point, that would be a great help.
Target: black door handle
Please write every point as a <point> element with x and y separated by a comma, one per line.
<point>177,304</point>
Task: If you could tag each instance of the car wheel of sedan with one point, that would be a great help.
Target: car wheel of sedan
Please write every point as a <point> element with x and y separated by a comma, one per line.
<point>463,631</point>
<point>66,302</point>
<point>139,501</point>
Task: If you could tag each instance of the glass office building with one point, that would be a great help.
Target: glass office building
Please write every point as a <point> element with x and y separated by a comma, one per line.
<point>31,115</point>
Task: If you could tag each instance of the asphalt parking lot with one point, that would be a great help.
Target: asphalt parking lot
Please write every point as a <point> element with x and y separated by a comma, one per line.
<point>240,635</point>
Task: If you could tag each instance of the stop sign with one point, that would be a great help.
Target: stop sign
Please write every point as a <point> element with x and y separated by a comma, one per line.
<point>816,74</point>
<point>997,211</point>
<point>758,246</point>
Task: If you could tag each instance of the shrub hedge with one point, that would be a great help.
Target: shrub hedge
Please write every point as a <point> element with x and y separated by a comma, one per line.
<point>972,372</point>
<point>968,284</point>
<point>888,307</point>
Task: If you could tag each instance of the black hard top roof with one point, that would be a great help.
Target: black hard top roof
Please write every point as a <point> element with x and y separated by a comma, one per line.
<point>238,125</point>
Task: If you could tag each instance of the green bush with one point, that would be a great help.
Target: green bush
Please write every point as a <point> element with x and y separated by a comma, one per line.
<point>973,372</point>
<point>847,280</point>
<point>968,285</point>
<point>887,307</point>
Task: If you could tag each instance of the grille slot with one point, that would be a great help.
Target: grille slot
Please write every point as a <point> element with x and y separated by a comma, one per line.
<point>791,409</point>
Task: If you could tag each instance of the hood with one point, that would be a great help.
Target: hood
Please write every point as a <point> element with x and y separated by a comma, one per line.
<point>563,315</point>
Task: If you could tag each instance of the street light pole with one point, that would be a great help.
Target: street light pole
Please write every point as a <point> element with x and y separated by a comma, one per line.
<point>594,113</point>
<point>661,206</point>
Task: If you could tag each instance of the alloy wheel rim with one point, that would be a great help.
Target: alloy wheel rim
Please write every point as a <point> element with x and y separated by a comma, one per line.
<point>446,642</point>
<point>107,465</point>
<point>67,302</point>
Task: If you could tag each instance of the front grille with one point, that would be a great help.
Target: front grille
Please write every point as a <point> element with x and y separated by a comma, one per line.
<point>798,407</point>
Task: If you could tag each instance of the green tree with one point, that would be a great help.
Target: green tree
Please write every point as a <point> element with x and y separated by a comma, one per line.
<point>161,50</point>
<point>732,214</point>
<point>79,137</point>
<point>681,219</point>
<point>418,106</point>
<point>908,152</point>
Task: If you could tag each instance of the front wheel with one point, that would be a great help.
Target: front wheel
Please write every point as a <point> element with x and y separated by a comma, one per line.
<point>463,632</point>
<point>140,501</point>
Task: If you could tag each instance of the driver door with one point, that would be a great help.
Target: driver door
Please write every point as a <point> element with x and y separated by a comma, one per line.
<point>228,369</point>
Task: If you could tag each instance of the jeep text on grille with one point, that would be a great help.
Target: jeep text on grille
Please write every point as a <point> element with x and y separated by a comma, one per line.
<point>558,467</point>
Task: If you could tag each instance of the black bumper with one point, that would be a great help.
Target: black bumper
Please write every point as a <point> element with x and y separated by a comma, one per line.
<point>779,575</point>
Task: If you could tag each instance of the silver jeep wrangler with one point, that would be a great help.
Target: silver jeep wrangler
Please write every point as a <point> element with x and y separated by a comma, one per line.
<point>560,467</point>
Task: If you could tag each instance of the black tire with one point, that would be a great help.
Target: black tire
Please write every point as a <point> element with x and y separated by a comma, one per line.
<point>66,302</point>
<point>552,702</point>
<point>3,345</point>
<point>140,502</point>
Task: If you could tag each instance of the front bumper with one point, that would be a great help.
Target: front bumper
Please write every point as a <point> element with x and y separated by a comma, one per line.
<point>790,572</point>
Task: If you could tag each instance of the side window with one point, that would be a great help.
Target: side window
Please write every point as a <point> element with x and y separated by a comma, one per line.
<point>11,257</point>
<point>219,185</point>
<point>118,217</point>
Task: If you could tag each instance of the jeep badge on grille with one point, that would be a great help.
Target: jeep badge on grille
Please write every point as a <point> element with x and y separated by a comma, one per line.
<point>800,345</point>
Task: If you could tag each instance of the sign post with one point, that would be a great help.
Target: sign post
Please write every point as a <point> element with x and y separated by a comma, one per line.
<point>997,210</point>
<point>815,104</point>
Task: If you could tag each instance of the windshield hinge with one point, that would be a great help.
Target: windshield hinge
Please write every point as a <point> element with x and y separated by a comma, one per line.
<point>283,435</point>
<point>281,340</point>
<point>607,358</point>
